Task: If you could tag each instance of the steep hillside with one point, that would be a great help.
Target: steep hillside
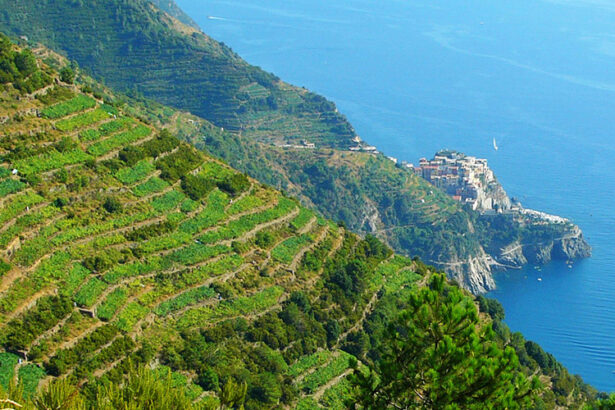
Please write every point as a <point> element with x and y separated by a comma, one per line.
<point>135,46</point>
<point>122,246</point>
<point>121,243</point>
<point>171,8</point>
<point>264,127</point>
<point>373,195</point>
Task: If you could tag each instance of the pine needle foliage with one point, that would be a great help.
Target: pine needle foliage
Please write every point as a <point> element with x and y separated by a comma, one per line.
<point>143,389</point>
<point>59,395</point>
<point>437,354</point>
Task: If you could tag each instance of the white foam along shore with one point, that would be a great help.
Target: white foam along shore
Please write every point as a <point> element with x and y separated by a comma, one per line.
<point>543,216</point>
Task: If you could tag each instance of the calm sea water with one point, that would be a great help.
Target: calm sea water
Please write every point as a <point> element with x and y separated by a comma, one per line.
<point>415,76</point>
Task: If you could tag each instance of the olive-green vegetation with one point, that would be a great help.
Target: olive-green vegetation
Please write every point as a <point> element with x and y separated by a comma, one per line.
<point>435,354</point>
<point>246,116</point>
<point>20,68</point>
<point>135,46</point>
<point>233,292</point>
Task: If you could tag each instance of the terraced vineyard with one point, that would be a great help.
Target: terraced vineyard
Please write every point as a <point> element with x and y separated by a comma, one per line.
<point>119,244</point>
<point>130,260</point>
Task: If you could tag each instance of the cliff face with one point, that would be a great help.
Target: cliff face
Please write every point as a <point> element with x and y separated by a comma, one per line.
<point>473,273</point>
<point>511,256</point>
<point>509,235</point>
<point>491,195</point>
<point>572,246</point>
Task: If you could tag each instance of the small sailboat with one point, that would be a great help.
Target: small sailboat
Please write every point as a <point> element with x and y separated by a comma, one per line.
<point>495,145</point>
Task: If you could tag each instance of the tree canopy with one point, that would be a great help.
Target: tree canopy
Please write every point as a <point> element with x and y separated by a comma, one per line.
<point>438,354</point>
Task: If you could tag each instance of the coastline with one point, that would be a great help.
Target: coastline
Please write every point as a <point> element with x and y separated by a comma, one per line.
<point>538,237</point>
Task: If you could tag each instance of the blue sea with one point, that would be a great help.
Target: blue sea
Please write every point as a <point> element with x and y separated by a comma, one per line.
<point>415,76</point>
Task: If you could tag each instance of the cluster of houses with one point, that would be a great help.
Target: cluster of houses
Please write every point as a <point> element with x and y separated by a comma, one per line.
<point>457,174</point>
<point>362,146</point>
<point>305,144</point>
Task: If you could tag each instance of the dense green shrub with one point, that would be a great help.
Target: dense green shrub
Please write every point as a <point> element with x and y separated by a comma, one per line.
<point>234,184</point>
<point>178,164</point>
<point>4,267</point>
<point>163,142</point>
<point>47,312</point>
<point>112,205</point>
<point>20,68</point>
<point>67,75</point>
<point>131,155</point>
<point>150,231</point>
<point>492,307</point>
<point>98,263</point>
<point>196,186</point>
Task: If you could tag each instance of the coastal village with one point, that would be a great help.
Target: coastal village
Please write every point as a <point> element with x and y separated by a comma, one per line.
<point>469,180</point>
<point>464,178</point>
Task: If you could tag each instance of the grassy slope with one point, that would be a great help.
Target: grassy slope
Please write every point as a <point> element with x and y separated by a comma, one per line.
<point>106,262</point>
<point>131,44</point>
<point>201,263</point>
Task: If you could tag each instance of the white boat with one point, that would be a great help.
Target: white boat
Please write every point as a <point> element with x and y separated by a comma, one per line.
<point>495,145</point>
<point>539,279</point>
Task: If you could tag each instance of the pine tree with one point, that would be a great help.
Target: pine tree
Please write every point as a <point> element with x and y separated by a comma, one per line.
<point>233,394</point>
<point>59,394</point>
<point>437,354</point>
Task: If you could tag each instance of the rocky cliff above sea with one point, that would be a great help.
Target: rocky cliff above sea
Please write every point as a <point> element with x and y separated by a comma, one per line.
<point>570,245</point>
<point>510,235</point>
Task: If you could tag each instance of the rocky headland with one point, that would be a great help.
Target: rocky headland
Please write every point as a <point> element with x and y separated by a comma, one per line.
<point>510,235</point>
